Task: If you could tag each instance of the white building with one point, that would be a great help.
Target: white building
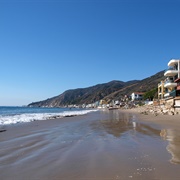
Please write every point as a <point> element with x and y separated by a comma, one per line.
<point>137,96</point>
<point>172,82</point>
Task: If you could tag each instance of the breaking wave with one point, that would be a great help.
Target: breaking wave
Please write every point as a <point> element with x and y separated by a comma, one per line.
<point>28,117</point>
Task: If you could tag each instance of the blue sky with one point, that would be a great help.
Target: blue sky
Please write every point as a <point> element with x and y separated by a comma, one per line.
<point>49,46</point>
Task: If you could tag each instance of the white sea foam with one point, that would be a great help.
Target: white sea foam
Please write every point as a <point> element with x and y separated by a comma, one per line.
<point>28,117</point>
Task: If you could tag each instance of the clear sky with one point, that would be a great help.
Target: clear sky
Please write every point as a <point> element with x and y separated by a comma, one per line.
<point>49,46</point>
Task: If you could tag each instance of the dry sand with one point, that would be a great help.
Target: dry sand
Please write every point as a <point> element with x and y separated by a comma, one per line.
<point>105,145</point>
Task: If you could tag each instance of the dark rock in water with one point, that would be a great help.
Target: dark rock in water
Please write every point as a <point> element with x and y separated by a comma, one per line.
<point>70,115</point>
<point>2,130</point>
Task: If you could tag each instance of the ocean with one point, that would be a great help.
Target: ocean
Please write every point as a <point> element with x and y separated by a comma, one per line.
<point>13,115</point>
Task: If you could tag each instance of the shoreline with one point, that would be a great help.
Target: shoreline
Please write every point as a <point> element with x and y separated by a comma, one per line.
<point>138,111</point>
<point>165,120</point>
<point>172,120</point>
<point>117,144</point>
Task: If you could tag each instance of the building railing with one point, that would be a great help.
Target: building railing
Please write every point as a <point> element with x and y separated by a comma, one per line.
<point>173,93</point>
<point>171,68</point>
<point>168,81</point>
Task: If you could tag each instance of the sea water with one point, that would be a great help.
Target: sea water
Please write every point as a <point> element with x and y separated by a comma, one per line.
<point>13,115</point>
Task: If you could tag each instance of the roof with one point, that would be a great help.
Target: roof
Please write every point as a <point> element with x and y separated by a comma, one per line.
<point>173,61</point>
<point>177,80</point>
<point>138,93</point>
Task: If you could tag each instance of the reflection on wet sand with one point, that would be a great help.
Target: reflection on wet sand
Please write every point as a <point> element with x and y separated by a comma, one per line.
<point>118,124</point>
<point>173,137</point>
<point>98,146</point>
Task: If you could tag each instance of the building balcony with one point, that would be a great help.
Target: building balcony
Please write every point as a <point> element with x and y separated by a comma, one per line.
<point>161,84</point>
<point>160,95</point>
<point>172,62</point>
<point>173,93</point>
<point>167,95</point>
<point>169,84</point>
<point>171,72</point>
<point>170,94</point>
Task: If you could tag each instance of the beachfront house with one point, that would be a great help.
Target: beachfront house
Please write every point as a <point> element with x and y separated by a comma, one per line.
<point>137,96</point>
<point>169,89</point>
<point>161,90</point>
<point>172,81</point>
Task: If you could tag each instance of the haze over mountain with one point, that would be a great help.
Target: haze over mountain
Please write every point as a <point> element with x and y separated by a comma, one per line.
<point>112,90</point>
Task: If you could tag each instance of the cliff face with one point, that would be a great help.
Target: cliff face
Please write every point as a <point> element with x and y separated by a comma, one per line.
<point>107,91</point>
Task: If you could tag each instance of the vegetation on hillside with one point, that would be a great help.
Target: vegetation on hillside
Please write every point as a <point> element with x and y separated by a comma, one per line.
<point>114,90</point>
<point>150,95</point>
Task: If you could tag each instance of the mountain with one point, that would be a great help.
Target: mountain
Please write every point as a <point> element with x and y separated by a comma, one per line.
<point>83,95</point>
<point>140,86</point>
<point>106,91</point>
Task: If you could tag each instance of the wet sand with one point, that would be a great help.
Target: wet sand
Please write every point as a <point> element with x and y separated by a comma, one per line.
<point>102,145</point>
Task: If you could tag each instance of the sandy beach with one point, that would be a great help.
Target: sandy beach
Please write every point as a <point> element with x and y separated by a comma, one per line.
<point>116,144</point>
